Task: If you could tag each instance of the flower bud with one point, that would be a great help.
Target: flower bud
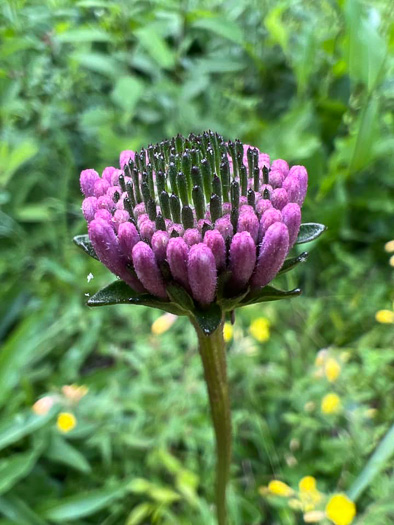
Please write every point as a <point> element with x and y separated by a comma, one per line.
<point>248,222</point>
<point>128,237</point>
<point>242,258</point>
<point>291,215</point>
<point>177,257</point>
<point>101,187</point>
<point>89,208</point>
<point>119,217</point>
<point>273,252</point>
<point>107,174</point>
<point>276,178</point>
<point>201,270</point>
<point>105,215</point>
<point>125,156</point>
<point>279,198</point>
<point>147,229</point>
<point>147,270</point>
<point>105,203</point>
<point>262,206</point>
<point>224,227</point>
<point>87,180</point>
<point>214,240</point>
<point>269,217</point>
<point>280,165</point>
<point>192,236</point>
<point>160,241</point>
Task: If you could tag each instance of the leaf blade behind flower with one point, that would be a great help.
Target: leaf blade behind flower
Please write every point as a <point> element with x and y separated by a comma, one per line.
<point>83,242</point>
<point>309,231</point>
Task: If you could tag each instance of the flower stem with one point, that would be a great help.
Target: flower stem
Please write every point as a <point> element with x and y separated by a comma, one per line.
<point>213,355</point>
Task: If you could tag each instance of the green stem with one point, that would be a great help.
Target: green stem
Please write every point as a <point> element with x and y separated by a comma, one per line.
<point>213,355</point>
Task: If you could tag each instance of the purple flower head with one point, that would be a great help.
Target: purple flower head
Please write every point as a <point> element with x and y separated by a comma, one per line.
<point>215,218</point>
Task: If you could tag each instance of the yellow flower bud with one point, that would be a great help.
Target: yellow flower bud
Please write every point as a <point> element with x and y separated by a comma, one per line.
<point>340,509</point>
<point>74,393</point>
<point>280,489</point>
<point>307,483</point>
<point>228,332</point>
<point>332,369</point>
<point>43,405</point>
<point>385,316</point>
<point>314,516</point>
<point>259,328</point>
<point>66,422</point>
<point>163,323</point>
<point>331,404</point>
<point>389,246</point>
<point>391,261</point>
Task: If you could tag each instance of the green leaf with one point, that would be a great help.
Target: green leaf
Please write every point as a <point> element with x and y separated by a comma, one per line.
<point>156,46</point>
<point>22,426</point>
<point>83,35</point>
<point>223,27</point>
<point>18,512</point>
<point>376,463</point>
<point>12,160</point>
<point>119,292</point>
<point>14,468</point>
<point>309,231</point>
<point>180,296</point>
<point>83,242</point>
<point>127,92</point>
<point>292,262</point>
<point>228,304</point>
<point>62,452</point>
<point>268,293</point>
<point>81,505</point>
<point>139,513</point>
<point>208,320</point>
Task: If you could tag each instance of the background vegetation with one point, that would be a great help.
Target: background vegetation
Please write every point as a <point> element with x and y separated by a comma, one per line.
<point>312,82</point>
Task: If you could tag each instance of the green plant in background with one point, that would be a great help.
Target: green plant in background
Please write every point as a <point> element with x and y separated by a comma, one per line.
<point>311,83</point>
<point>197,227</point>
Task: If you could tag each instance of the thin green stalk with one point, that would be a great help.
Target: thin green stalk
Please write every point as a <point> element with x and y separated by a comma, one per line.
<point>213,355</point>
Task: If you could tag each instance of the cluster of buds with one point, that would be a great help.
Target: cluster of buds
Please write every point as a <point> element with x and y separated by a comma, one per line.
<point>188,210</point>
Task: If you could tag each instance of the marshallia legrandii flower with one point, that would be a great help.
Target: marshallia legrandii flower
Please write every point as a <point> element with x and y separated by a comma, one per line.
<point>198,227</point>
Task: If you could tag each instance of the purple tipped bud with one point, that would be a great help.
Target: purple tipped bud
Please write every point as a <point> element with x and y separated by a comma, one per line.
<point>105,215</point>
<point>280,165</point>
<point>89,208</point>
<point>112,190</point>
<point>147,229</point>
<point>192,236</point>
<point>201,269</point>
<point>262,206</point>
<point>125,156</point>
<point>147,270</point>
<point>128,238</point>
<point>105,203</point>
<point>201,223</point>
<point>87,180</point>
<point>242,258</point>
<point>105,244</point>
<point>273,252</point>
<point>107,174</point>
<point>266,188</point>
<point>243,200</point>
<point>291,214</point>
<point>214,240</point>
<point>160,241</point>
<point>177,256</point>
<point>119,217</point>
<point>178,228</point>
<point>226,207</point>
<point>269,217</point>
<point>224,227</point>
<point>120,204</point>
<point>296,184</point>
<point>276,178</point>
<point>101,187</point>
<point>248,222</point>
<point>279,198</point>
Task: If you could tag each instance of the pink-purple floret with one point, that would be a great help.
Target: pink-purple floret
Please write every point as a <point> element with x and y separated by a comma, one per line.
<point>144,257</point>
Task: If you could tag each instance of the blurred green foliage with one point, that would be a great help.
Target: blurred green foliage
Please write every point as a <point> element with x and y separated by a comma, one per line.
<point>312,82</point>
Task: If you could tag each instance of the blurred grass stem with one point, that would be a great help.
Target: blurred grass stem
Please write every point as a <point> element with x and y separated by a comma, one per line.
<point>213,354</point>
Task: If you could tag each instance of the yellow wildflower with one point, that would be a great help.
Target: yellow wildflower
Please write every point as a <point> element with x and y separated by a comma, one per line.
<point>391,261</point>
<point>66,422</point>
<point>259,328</point>
<point>163,323</point>
<point>43,405</point>
<point>314,516</point>
<point>340,509</point>
<point>331,404</point>
<point>385,316</point>
<point>332,369</point>
<point>321,357</point>
<point>228,332</point>
<point>74,393</point>
<point>389,246</point>
<point>307,483</point>
<point>280,489</point>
